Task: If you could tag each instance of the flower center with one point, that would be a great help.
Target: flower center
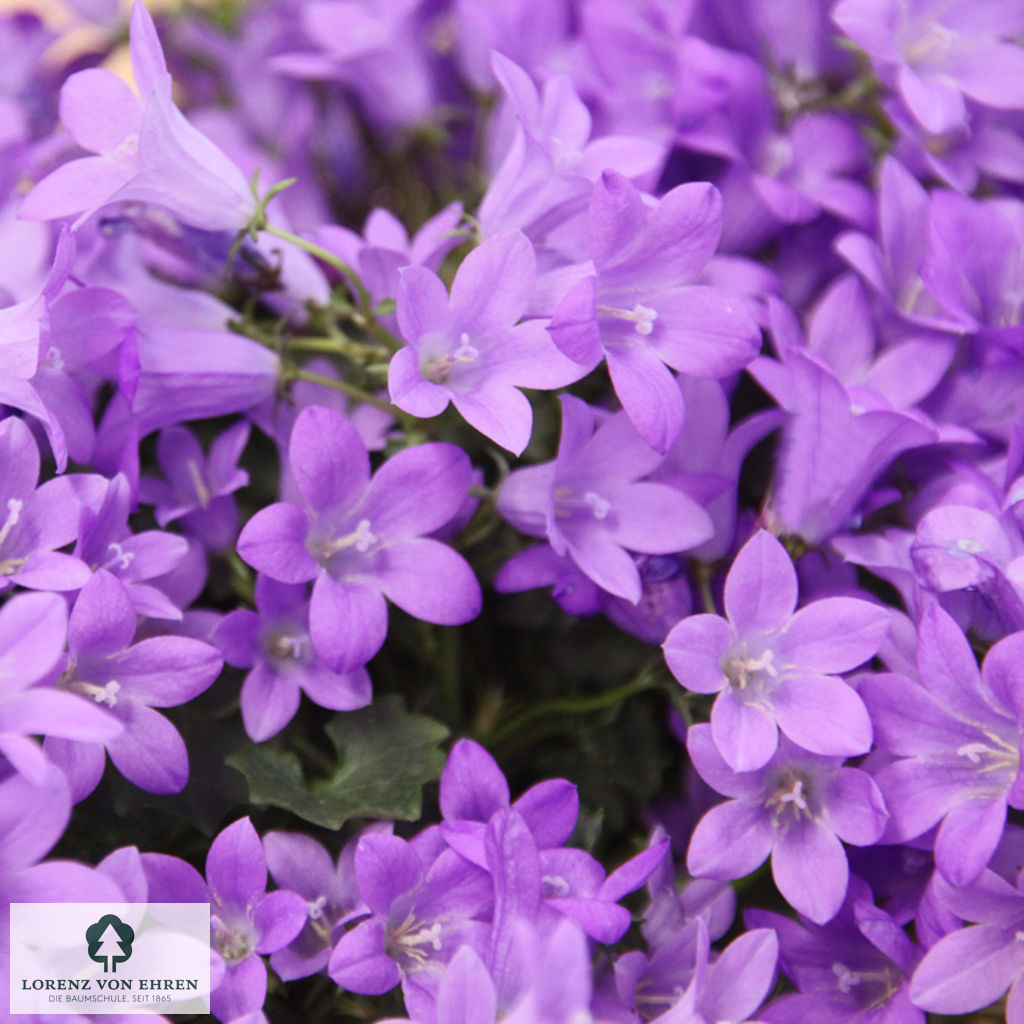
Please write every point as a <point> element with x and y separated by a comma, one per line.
<point>362,538</point>
<point>791,800</point>
<point>642,317</point>
<point>750,674</point>
<point>438,368</point>
<point>232,943</point>
<point>567,503</point>
<point>870,989</point>
<point>287,646</point>
<point>411,944</point>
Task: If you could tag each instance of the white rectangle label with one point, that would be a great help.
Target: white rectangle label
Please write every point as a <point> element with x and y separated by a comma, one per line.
<point>123,958</point>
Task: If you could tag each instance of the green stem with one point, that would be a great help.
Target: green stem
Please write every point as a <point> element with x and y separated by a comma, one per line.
<point>337,346</point>
<point>576,705</point>
<point>328,257</point>
<point>353,392</point>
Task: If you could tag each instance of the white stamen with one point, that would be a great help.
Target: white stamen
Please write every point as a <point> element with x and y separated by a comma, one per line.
<point>740,670</point>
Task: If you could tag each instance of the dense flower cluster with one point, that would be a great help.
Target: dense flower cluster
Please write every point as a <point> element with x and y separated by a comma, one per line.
<point>700,321</point>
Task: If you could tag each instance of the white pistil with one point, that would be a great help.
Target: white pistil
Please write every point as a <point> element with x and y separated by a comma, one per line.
<point>316,908</point>
<point>14,507</point>
<point>118,557</point>
<point>426,936</point>
<point>555,886</point>
<point>598,505</point>
<point>361,538</point>
<point>438,368</point>
<point>847,979</point>
<point>795,796</point>
<point>973,752</point>
<point>53,362</point>
<point>101,694</point>
<point>289,647</point>
<point>642,317</point>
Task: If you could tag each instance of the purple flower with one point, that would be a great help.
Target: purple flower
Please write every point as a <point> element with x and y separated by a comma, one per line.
<point>937,53</point>
<point>421,913</point>
<point>854,969</point>
<point>796,808</point>
<point>972,967</point>
<point>592,503</point>
<point>956,739</point>
<point>33,630</point>
<point>106,543</point>
<point>146,151</point>
<point>362,539</point>
<point>641,310</point>
<point>302,865</point>
<point>199,490</point>
<point>35,521</point>
<point>276,647</point>
<point>131,680</point>
<point>467,349</point>
<point>245,919</point>
<point>774,667</point>
<point>833,448</point>
<point>729,990</point>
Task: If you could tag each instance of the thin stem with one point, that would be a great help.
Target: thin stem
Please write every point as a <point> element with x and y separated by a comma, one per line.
<point>353,392</point>
<point>337,346</point>
<point>328,257</point>
<point>576,705</point>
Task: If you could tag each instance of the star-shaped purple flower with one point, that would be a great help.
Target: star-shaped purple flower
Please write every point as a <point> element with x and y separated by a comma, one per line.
<point>468,350</point>
<point>362,539</point>
<point>774,667</point>
<point>592,502</point>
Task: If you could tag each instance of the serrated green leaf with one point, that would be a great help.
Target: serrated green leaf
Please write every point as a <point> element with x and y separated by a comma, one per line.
<point>385,757</point>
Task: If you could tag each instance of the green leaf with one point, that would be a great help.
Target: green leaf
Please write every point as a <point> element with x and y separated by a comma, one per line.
<point>384,307</point>
<point>385,756</point>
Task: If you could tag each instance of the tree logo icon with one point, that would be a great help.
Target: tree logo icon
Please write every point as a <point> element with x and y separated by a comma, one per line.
<point>110,942</point>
